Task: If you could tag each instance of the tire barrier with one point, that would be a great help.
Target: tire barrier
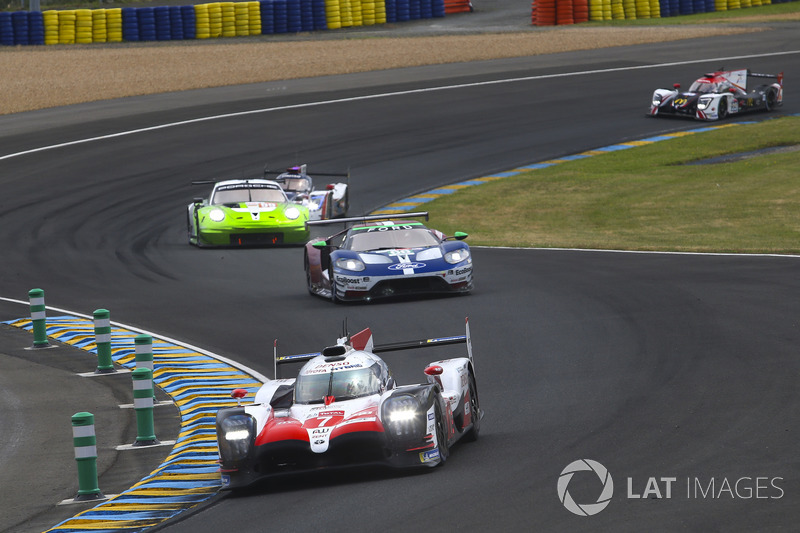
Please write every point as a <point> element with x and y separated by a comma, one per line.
<point>211,20</point>
<point>633,9</point>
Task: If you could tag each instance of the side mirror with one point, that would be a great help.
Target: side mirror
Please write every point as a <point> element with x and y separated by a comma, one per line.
<point>198,200</point>
<point>320,245</point>
<point>458,235</point>
<point>676,86</point>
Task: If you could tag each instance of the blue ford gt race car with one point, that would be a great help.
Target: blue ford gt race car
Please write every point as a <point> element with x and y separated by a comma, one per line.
<point>381,256</point>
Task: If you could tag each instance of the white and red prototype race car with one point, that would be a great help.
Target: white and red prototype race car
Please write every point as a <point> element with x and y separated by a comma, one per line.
<point>718,95</point>
<point>332,201</point>
<point>345,409</point>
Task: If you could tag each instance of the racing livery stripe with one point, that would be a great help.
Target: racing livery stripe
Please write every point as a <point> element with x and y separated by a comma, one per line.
<point>412,202</point>
<point>199,385</point>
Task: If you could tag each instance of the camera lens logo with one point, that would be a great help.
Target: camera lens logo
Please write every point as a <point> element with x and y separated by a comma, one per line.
<point>586,509</point>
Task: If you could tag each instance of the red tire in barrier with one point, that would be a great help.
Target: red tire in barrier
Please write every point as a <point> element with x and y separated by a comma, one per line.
<point>580,11</point>
<point>546,13</point>
<point>564,12</point>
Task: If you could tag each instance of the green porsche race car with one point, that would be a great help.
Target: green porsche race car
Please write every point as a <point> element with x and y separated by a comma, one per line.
<point>246,212</point>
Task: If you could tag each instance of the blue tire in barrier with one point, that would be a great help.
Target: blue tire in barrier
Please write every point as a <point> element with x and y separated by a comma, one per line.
<point>415,9</point>
<point>130,24</point>
<point>35,27</point>
<point>175,23</point>
<point>267,17</point>
<point>686,7</point>
<point>163,23</point>
<point>438,8</point>
<point>711,6</point>
<point>320,16</point>
<point>391,11</point>
<point>674,8</point>
<point>189,21</point>
<point>306,15</point>
<point>663,6</point>
<point>147,23</point>
<point>294,22</point>
<point>6,29</point>
<point>19,22</point>
<point>403,10</point>
<point>279,16</point>
<point>699,6</point>
<point>425,9</point>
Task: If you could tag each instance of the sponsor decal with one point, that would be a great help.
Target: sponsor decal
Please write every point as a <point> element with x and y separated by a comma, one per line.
<point>430,455</point>
<point>461,271</point>
<point>348,281</point>
<point>403,266</point>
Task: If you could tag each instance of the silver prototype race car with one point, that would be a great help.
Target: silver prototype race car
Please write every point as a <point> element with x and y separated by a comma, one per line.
<point>719,94</point>
<point>331,201</point>
<point>344,408</point>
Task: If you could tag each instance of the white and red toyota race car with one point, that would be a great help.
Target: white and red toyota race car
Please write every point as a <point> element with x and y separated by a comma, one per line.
<point>718,95</point>
<point>345,409</point>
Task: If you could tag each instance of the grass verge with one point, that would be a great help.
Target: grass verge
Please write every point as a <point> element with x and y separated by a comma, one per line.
<point>647,198</point>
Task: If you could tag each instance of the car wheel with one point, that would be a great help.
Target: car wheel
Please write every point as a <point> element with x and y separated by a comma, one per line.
<point>309,285</point>
<point>441,430</point>
<point>771,100</point>
<point>475,409</point>
<point>723,108</point>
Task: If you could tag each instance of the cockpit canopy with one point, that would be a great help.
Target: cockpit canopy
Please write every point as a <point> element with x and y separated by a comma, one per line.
<point>339,381</point>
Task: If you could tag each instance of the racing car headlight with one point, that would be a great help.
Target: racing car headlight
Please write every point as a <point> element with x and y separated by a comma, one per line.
<point>429,254</point>
<point>402,418</point>
<point>292,213</point>
<point>350,263</point>
<point>704,101</point>
<point>656,99</point>
<point>235,436</point>
<point>456,256</point>
<point>217,215</point>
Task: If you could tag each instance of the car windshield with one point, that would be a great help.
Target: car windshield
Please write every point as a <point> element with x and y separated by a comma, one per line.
<point>295,184</point>
<point>703,87</point>
<point>235,196</point>
<point>342,385</point>
<point>385,238</point>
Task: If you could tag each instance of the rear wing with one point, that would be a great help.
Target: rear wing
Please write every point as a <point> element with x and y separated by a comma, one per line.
<point>778,76</point>
<point>302,171</point>
<point>366,218</point>
<point>363,341</point>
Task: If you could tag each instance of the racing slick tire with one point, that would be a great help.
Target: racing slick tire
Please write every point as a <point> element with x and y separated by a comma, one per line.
<point>771,100</point>
<point>307,269</point>
<point>475,409</point>
<point>441,430</point>
<point>723,108</point>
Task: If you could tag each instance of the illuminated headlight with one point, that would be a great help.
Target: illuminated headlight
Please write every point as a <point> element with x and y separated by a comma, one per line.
<point>350,263</point>
<point>234,437</point>
<point>292,213</point>
<point>456,256</point>
<point>656,99</point>
<point>704,102</point>
<point>217,215</point>
<point>401,417</point>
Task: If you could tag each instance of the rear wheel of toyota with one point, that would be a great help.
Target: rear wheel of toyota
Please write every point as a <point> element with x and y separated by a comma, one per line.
<point>441,431</point>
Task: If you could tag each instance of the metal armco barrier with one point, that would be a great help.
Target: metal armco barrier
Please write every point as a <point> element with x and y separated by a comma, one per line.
<point>85,442</point>
<point>39,318</point>
<point>143,405</point>
<point>102,337</point>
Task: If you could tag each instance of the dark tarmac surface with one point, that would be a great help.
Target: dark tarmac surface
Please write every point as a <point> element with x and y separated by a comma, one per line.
<point>34,483</point>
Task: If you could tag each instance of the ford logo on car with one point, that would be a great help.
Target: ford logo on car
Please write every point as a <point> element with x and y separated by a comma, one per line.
<point>403,266</point>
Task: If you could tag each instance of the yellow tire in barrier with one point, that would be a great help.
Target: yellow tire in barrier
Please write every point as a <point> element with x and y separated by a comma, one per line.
<point>655,9</point>
<point>642,9</point>
<point>720,5</point>
<point>606,9</point>
<point>66,27</point>
<point>617,13</point>
<point>50,21</point>
<point>114,25</point>
<point>254,12</point>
